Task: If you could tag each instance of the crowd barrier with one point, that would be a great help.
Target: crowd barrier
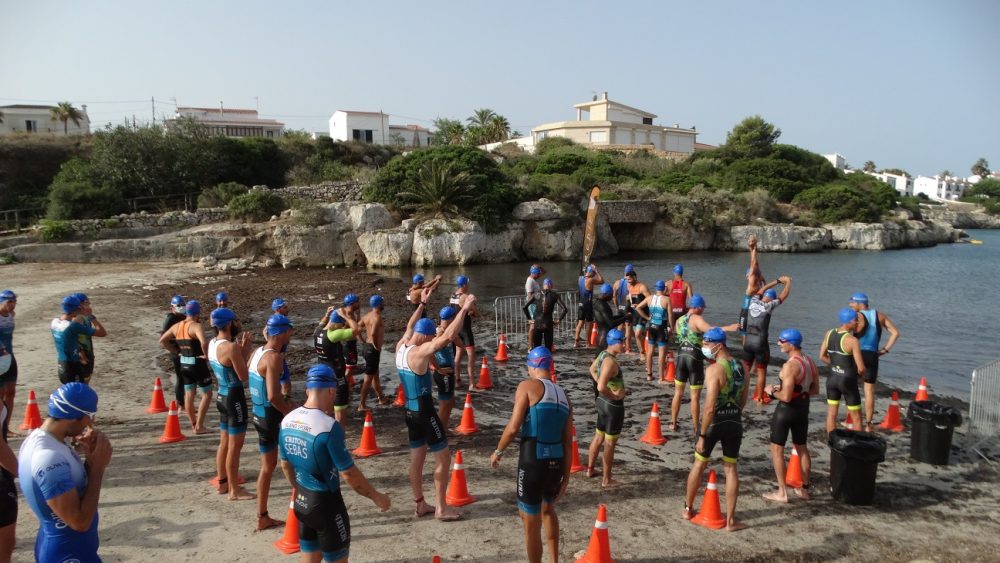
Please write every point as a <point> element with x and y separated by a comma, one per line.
<point>984,406</point>
<point>510,320</point>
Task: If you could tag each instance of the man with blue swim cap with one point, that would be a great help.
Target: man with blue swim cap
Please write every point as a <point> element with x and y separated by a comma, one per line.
<point>468,339</point>
<point>373,339</point>
<point>604,317</point>
<point>314,458</point>
<point>187,341</point>
<point>328,341</point>
<point>444,368</point>
<point>660,318</point>
<point>628,293</point>
<point>66,330</point>
<point>418,285</point>
<point>59,488</point>
<point>756,348</point>
<point>610,387</point>
<point>351,312</point>
<point>540,311</point>
<point>86,317</point>
<point>842,352</point>
<point>280,307</point>
<point>222,299</point>
<point>532,288</point>
<point>590,279</point>
<point>175,314</point>
<point>543,419</point>
<point>414,353</point>
<point>872,323</point>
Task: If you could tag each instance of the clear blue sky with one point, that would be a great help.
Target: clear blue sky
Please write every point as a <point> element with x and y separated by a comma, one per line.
<point>910,84</point>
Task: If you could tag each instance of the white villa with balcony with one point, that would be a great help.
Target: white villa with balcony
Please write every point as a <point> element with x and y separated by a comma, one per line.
<point>230,122</point>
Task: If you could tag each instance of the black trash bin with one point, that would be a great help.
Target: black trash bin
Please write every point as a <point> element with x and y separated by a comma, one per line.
<point>854,459</point>
<point>931,428</point>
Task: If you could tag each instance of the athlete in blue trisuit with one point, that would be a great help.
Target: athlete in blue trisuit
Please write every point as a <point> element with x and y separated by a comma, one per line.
<point>313,457</point>
<point>66,330</point>
<point>871,323</point>
<point>62,490</point>
<point>187,341</point>
<point>86,316</point>
<point>414,353</point>
<point>543,417</point>
<point>280,307</point>
<point>444,368</point>
<point>269,407</point>
<point>8,363</point>
<point>660,319</point>
<point>227,358</point>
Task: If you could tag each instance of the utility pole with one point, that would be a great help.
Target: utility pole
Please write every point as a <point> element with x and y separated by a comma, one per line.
<point>152,105</point>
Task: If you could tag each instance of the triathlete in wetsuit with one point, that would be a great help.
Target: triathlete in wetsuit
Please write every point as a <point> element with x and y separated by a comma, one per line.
<point>174,316</point>
<point>869,335</point>
<point>660,318</point>
<point>543,416</point>
<point>590,280</point>
<point>604,317</point>
<point>313,458</point>
<point>531,289</point>
<point>351,313</point>
<point>756,348</point>
<point>606,372</point>
<point>186,340</point>
<point>755,280</point>
<point>8,366</point>
<point>843,353</point>
<point>542,306</point>
<point>328,342</point>
<point>65,334</point>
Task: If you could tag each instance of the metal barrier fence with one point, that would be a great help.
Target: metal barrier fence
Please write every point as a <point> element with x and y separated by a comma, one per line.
<point>510,320</point>
<point>984,405</point>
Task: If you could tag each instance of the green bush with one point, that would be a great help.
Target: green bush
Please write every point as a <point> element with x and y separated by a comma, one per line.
<point>839,201</point>
<point>318,169</point>
<point>256,205</point>
<point>54,231</point>
<point>78,199</point>
<point>911,204</point>
<point>309,212</point>
<point>219,195</point>
<point>781,178</point>
<point>29,163</point>
<point>550,143</point>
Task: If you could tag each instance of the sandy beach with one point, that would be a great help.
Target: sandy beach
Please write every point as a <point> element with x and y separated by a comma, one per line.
<point>157,505</point>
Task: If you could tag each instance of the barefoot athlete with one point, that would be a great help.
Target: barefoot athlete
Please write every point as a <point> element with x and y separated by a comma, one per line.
<point>351,312</point>
<point>468,346</point>
<point>269,407</point>
<point>842,352</point>
<point>328,342</point>
<point>756,348</point>
<point>8,366</point>
<point>543,416</point>
<point>755,280</point>
<point>280,307</point>
<point>870,327</point>
<point>413,294</point>
<point>187,341</point>
<point>66,330</point>
<point>444,368</point>
<point>542,306</point>
<point>680,292</point>
<point>726,394</point>
<point>175,314</point>
<point>660,317</point>
<point>426,433</point>
<point>531,289</point>
<point>604,316</point>
<point>610,406</point>
<point>799,382</point>
<point>227,358</point>
<point>589,280</point>
<point>374,339</point>
<point>87,318</point>
<point>629,292</point>
<point>313,459</point>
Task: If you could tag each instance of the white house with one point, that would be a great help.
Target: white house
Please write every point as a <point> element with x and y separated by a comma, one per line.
<point>902,184</point>
<point>230,122</point>
<point>939,188</point>
<point>374,127</point>
<point>22,118</point>
<point>614,125</point>
<point>409,136</point>
<point>837,160</point>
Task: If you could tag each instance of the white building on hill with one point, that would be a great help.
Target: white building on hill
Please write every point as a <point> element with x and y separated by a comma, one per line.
<point>902,184</point>
<point>230,122</point>
<point>939,188</point>
<point>32,119</point>
<point>837,160</point>
<point>374,127</point>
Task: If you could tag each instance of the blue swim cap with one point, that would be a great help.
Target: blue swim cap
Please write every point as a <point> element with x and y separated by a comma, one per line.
<point>278,324</point>
<point>69,304</point>
<point>461,280</point>
<point>539,357</point>
<point>714,334</point>
<point>278,303</point>
<point>7,295</point>
<point>192,308</point>
<point>661,285</point>
<point>772,294</point>
<point>615,336</point>
<point>447,313</point>
<point>847,315</point>
<point>679,270</point>
<point>535,270</point>
<point>629,269</point>
<point>82,297</point>
<point>590,269</point>
<point>72,401</point>
<point>859,298</point>
<point>320,376</point>
<point>350,299</point>
<point>222,316</point>
<point>335,318</point>
<point>547,282</point>
<point>375,301</point>
<point>697,301</point>
<point>791,336</point>
<point>221,296</point>
<point>177,301</point>
<point>605,289</point>
<point>418,279</point>
<point>425,327</point>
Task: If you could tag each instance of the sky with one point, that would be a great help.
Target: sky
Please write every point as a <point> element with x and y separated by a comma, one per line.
<point>906,84</point>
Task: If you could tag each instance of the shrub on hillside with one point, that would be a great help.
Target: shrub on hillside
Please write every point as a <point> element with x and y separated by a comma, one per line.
<point>781,178</point>
<point>840,200</point>
<point>219,195</point>
<point>550,143</point>
<point>29,163</point>
<point>256,205</point>
<point>54,231</point>
<point>318,169</point>
<point>73,196</point>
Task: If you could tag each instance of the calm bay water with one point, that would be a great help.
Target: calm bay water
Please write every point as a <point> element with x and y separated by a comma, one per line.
<point>943,299</point>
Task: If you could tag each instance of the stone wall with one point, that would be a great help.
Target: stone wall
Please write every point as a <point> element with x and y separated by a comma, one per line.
<point>629,211</point>
<point>349,190</point>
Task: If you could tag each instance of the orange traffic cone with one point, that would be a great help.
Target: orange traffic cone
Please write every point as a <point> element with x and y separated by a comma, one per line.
<point>400,397</point>
<point>793,470</point>
<point>849,421</point>
<point>32,419</point>
<point>350,376</point>
<point>484,376</point>
<point>436,559</point>
<point>368,446</point>
<point>710,515</point>
<point>671,369</point>
<point>156,404</point>
<point>172,430</point>
<point>654,434</point>
<point>468,424</point>
<point>502,349</point>
<point>599,550</point>
<point>922,391</point>
<point>288,543</point>
<point>458,490</point>
<point>892,420</point>
<point>593,335</point>
<point>575,465</point>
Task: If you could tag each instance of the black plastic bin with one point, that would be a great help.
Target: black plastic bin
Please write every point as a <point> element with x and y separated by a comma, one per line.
<point>854,459</point>
<point>931,428</point>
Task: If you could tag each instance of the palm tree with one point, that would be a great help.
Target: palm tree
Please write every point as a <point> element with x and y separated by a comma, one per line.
<point>869,166</point>
<point>945,173</point>
<point>65,112</point>
<point>498,129</point>
<point>481,117</point>
<point>440,193</point>
<point>981,168</point>
<point>448,131</point>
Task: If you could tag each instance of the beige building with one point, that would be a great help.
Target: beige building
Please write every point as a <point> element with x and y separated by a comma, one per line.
<point>231,122</point>
<point>603,123</point>
<point>32,120</point>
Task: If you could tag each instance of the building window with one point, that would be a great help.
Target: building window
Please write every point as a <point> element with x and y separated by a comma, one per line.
<point>647,120</point>
<point>356,134</point>
<point>31,125</point>
<point>368,136</point>
<point>270,134</point>
<point>598,136</point>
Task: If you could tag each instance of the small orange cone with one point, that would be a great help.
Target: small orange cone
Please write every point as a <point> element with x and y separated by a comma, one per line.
<point>849,421</point>
<point>710,515</point>
<point>593,335</point>
<point>32,418</point>
<point>922,391</point>
<point>468,424</point>
<point>892,419</point>
<point>502,349</point>
<point>156,404</point>
<point>172,430</point>
<point>671,369</point>
<point>793,470</point>
<point>599,550</point>
<point>484,376</point>
<point>436,559</point>
<point>575,465</point>
<point>350,375</point>
<point>288,543</point>
<point>458,490</point>
<point>368,446</point>
<point>654,434</point>
<point>400,397</point>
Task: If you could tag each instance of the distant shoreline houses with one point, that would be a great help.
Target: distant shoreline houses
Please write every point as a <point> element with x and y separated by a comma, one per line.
<point>937,187</point>
<point>37,119</point>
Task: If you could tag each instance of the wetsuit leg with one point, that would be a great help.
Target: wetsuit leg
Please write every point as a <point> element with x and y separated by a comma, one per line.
<point>372,359</point>
<point>614,418</point>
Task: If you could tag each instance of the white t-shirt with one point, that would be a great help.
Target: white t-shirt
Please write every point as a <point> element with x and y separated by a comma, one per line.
<point>531,287</point>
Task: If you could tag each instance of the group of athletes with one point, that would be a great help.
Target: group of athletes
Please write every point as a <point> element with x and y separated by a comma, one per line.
<point>310,443</point>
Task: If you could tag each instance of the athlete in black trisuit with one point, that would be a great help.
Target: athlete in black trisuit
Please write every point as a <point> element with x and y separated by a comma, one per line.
<point>543,305</point>
<point>842,352</point>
